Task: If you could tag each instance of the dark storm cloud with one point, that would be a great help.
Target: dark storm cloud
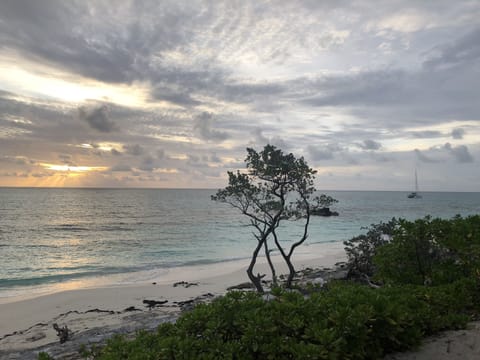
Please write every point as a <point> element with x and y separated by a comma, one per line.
<point>97,118</point>
<point>460,153</point>
<point>203,126</point>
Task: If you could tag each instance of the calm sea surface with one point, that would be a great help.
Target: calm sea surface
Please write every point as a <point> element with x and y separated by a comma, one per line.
<point>50,236</point>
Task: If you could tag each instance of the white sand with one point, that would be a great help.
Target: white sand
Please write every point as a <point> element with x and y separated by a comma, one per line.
<point>32,318</point>
<point>449,345</point>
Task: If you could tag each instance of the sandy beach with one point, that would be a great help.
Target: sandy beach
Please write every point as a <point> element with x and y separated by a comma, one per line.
<point>93,314</point>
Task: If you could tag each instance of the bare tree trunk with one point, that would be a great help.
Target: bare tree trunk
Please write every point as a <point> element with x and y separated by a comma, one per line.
<point>288,257</point>
<point>270,263</point>
<point>291,269</point>
<point>256,279</point>
<point>291,272</point>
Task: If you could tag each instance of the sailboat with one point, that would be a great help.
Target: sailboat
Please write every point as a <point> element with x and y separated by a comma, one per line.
<point>415,194</point>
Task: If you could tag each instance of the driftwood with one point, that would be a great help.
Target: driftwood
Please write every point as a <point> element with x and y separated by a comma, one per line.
<point>242,286</point>
<point>62,332</point>
<point>152,303</point>
<point>188,305</point>
<point>131,308</point>
<point>185,284</point>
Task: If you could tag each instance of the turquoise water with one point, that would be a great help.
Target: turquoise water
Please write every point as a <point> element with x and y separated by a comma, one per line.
<point>49,236</point>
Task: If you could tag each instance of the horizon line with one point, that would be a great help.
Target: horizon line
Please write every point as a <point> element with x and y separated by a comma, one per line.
<point>216,188</point>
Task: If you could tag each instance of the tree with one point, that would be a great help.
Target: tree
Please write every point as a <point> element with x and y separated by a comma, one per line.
<point>276,187</point>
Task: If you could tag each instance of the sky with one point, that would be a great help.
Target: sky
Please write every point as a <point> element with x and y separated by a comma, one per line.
<point>169,94</point>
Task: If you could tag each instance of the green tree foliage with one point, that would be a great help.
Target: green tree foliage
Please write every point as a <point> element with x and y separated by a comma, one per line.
<point>325,201</point>
<point>276,187</point>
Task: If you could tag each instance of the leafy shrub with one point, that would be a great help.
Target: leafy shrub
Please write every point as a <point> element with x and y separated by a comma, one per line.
<point>44,356</point>
<point>345,321</point>
<point>361,249</point>
<point>430,252</point>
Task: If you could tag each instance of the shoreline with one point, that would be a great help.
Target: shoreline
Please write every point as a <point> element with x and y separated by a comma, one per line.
<point>160,275</point>
<point>96,313</point>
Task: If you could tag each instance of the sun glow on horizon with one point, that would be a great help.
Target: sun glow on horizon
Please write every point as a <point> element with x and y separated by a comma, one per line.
<point>75,169</point>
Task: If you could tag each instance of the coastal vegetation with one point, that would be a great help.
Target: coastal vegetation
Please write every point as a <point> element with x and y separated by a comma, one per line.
<point>276,187</point>
<point>423,277</point>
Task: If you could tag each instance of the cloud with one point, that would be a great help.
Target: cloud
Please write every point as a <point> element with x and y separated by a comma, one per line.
<point>203,127</point>
<point>460,153</point>
<point>135,150</point>
<point>259,138</point>
<point>160,153</point>
<point>369,145</point>
<point>424,158</point>
<point>426,134</point>
<point>120,168</point>
<point>214,79</point>
<point>97,118</point>
<point>323,152</point>
<point>465,50</point>
<point>402,97</point>
<point>458,133</point>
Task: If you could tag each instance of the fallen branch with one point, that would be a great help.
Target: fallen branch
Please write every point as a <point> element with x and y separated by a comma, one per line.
<point>62,332</point>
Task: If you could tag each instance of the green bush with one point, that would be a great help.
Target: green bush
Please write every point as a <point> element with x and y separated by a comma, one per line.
<point>430,252</point>
<point>362,248</point>
<point>345,321</point>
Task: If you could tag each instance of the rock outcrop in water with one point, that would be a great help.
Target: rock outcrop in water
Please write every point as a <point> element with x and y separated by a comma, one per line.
<point>325,211</point>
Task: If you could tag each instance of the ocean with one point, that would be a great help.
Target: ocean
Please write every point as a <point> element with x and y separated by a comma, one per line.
<point>50,237</point>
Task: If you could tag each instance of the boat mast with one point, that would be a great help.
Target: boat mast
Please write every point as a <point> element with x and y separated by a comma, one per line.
<point>416,181</point>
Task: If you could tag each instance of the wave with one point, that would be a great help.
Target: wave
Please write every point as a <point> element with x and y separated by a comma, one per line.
<point>212,261</point>
<point>59,278</point>
<point>114,228</point>
<point>69,227</point>
<point>121,226</point>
